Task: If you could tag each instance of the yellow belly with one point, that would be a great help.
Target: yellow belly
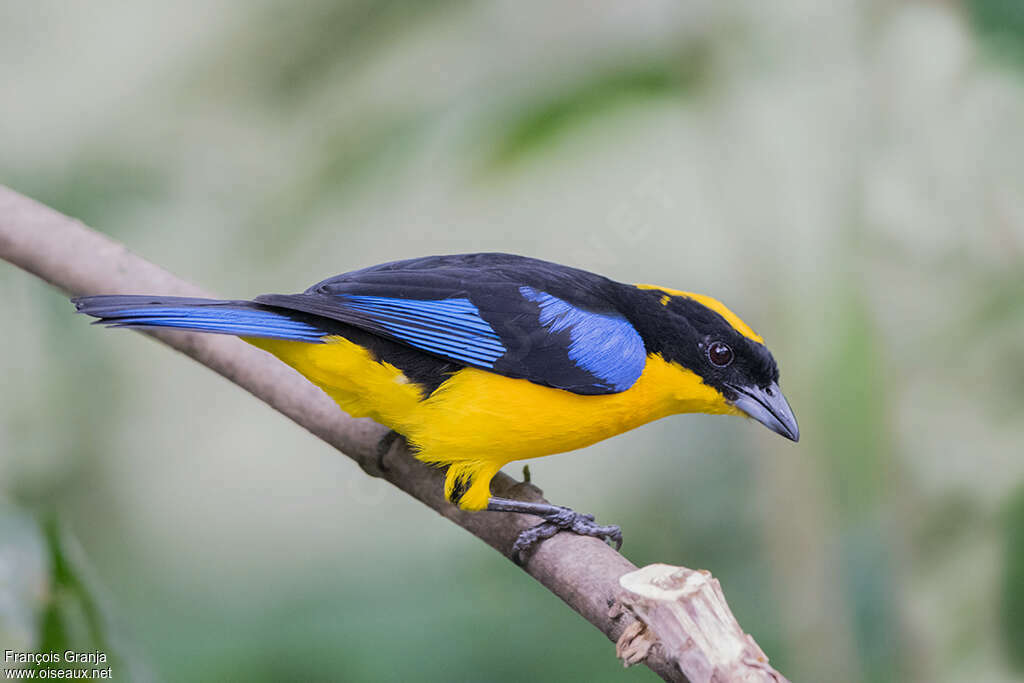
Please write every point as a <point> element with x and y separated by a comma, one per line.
<point>478,421</point>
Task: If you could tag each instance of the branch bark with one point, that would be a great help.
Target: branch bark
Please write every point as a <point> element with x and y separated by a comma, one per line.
<point>582,571</point>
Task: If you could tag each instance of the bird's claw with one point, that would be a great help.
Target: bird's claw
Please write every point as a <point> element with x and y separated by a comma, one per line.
<point>564,520</point>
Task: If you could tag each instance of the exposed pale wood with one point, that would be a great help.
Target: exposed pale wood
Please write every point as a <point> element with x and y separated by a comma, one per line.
<point>683,615</point>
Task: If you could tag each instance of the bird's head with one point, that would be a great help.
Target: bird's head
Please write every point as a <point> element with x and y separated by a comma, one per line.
<point>706,340</point>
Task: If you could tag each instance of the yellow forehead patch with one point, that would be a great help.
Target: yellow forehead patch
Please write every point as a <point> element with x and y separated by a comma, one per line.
<point>715,305</point>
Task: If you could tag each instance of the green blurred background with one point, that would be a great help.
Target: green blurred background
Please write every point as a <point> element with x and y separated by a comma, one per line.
<point>846,175</point>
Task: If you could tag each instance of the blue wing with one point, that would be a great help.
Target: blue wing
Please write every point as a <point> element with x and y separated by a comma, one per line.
<point>510,315</point>
<point>451,328</point>
<point>517,317</point>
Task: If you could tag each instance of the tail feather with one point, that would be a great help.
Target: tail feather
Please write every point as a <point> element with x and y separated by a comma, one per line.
<point>242,318</point>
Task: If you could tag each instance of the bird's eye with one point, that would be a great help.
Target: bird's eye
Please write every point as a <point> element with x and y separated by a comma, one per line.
<point>719,354</point>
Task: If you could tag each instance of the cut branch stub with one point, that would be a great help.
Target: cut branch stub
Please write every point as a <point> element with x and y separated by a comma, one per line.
<point>695,627</point>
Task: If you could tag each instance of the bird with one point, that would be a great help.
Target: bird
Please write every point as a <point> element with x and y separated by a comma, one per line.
<point>478,360</point>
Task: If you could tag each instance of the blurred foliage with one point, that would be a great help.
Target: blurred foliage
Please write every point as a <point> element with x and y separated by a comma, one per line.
<point>344,164</point>
<point>283,54</point>
<point>1012,595</point>
<point>70,613</point>
<point>72,616</point>
<point>949,523</point>
<point>95,182</point>
<point>1000,311</point>
<point>24,572</point>
<point>376,629</point>
<point>539,124</point>
<point>853,409</point>
<point>1001,24</point>
<point>852,413</point>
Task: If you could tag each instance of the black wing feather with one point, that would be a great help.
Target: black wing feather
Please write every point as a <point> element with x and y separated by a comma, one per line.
<point>512,315</point>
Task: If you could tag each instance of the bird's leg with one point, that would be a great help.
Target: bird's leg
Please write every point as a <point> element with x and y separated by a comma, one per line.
<point>384,447</point>
<point>556,518</point>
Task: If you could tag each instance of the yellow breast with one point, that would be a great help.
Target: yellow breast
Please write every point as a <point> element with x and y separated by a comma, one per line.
<point>477,414</point>
<point>480,414</point>
<point>478,421</point>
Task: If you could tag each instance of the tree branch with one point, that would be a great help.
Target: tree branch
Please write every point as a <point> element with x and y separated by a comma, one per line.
<point>582,571</point>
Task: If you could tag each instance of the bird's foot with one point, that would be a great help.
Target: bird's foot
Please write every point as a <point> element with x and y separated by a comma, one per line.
<point>564,520</point>
<point>556,518</point>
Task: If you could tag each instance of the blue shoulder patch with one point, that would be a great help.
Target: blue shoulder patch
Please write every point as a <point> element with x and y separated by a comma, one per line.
<point>448,327</point>
<point>604,344</point>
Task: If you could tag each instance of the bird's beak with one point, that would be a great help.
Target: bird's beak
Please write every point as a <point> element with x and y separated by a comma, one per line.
<point>769,407</point>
